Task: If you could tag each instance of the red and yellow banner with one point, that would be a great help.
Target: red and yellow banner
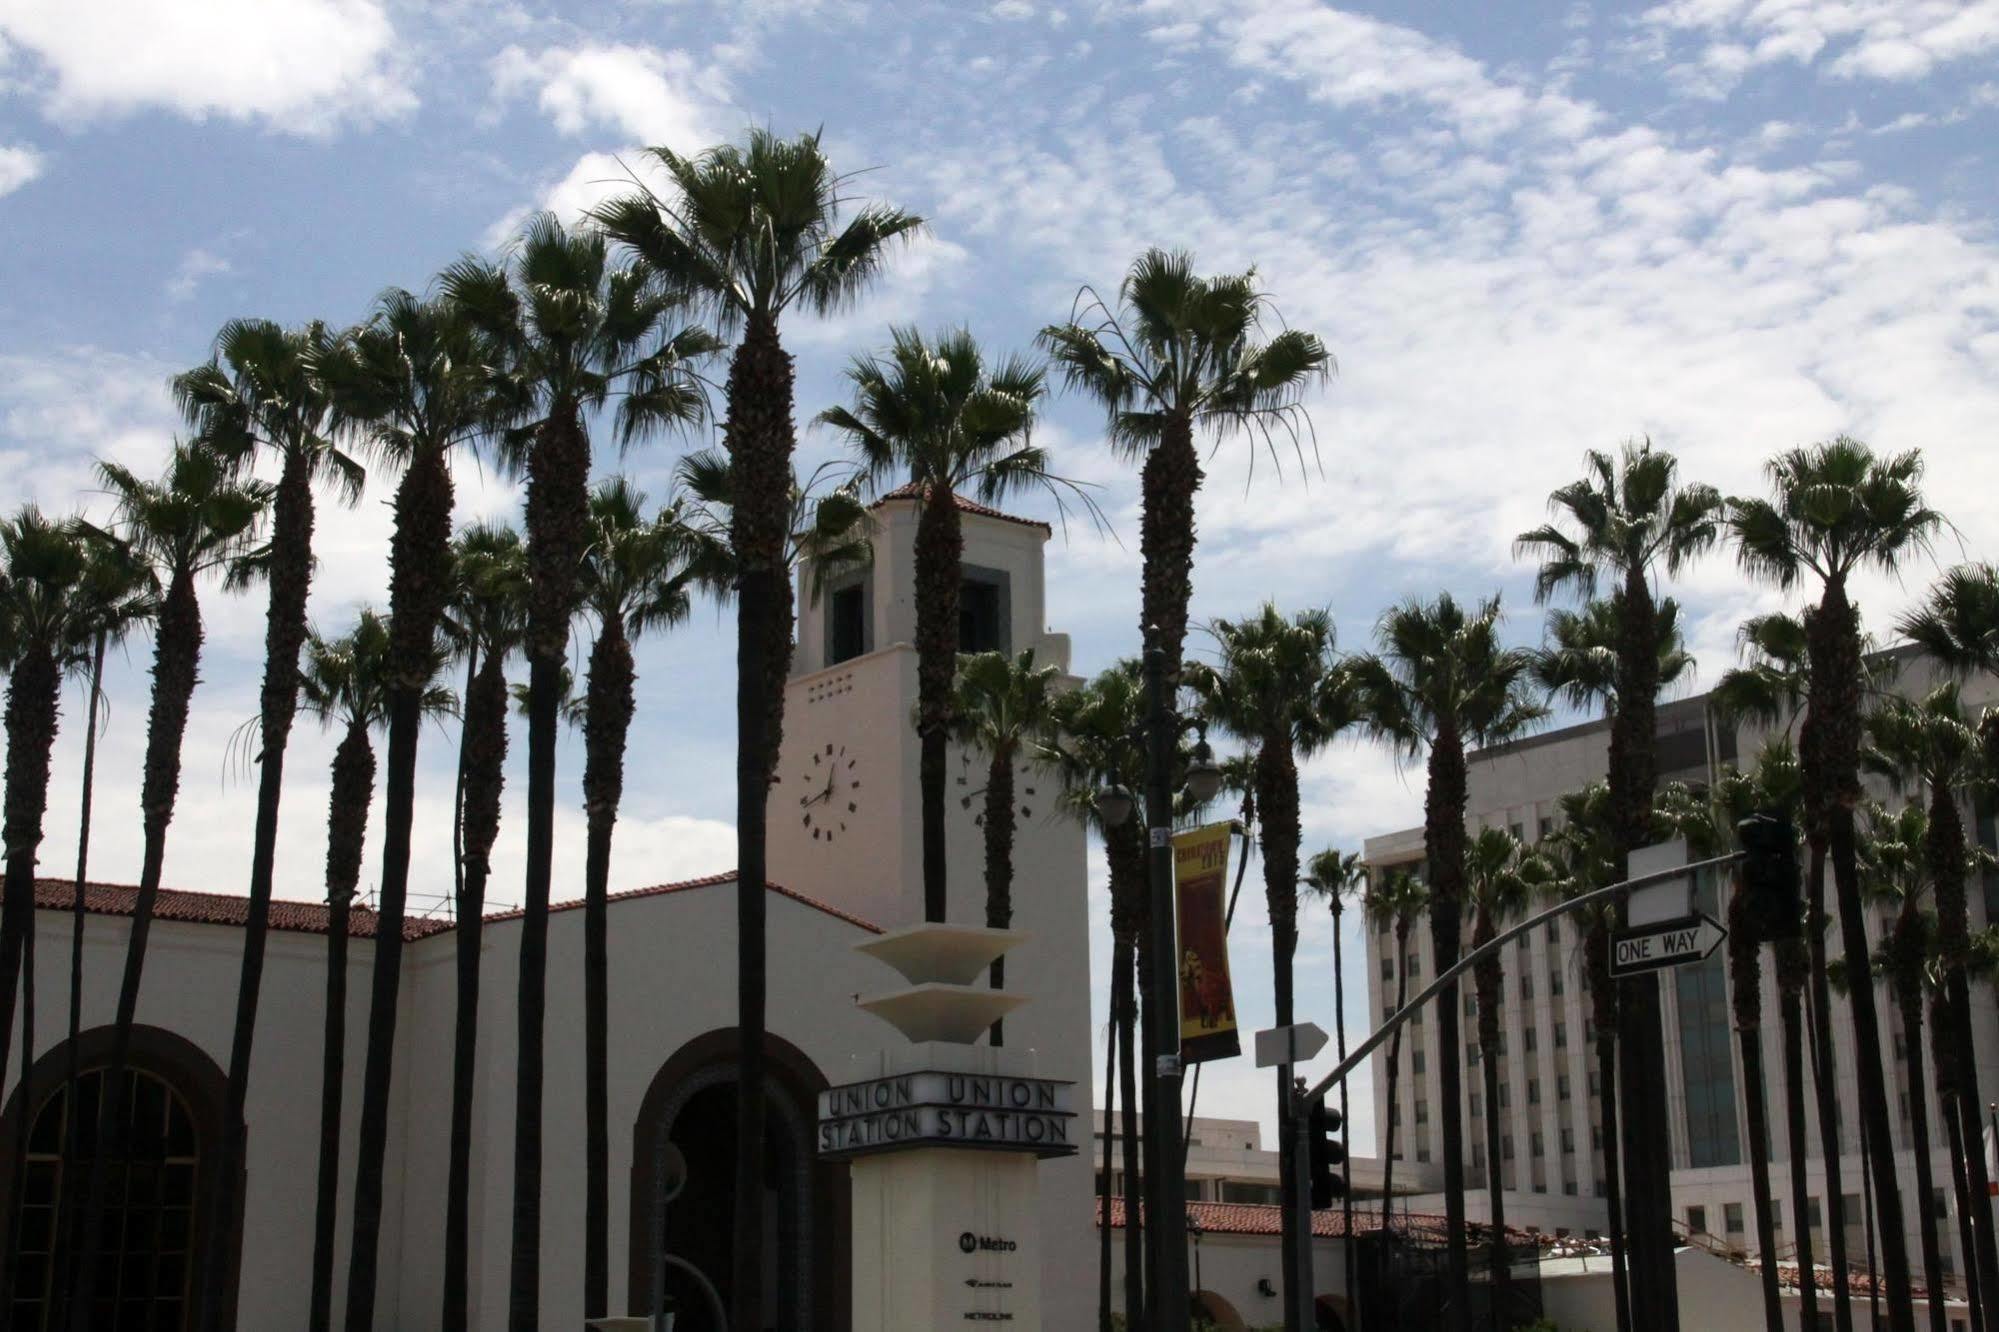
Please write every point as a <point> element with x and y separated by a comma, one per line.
<point>1207,997</point>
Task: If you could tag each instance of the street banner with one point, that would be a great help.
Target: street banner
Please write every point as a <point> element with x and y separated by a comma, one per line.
<point>1207,997</point>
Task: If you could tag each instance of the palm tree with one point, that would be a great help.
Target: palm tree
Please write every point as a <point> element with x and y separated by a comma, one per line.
<point>1770,690</point>
<point>1956,627</point>
<point>1443,680</point>
<point>1893,871</point>
<point>754,231</point>
<point>1177,356</point>
<point>261,396</point>
<point>935,414</point>
<point>1838,509</point>
<point>414,384</point>
<point>1580,854</point>
<point>571,328</point>
<point>1396,899</point>
<point>1624,520</point>
<point>344,684</point>
<point>199,516</point>
<point>1579,663</point>
<point>1496,890</point>
<point>1092,750</point>
<point>1332,878</point>
<point>485,620</point>
<point>1003,708</point>
<point>1278,688</point>
<point>636,576</point>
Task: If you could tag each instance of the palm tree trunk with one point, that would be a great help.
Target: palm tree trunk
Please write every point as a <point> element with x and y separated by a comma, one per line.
<point>1487,978</point>
<point>1867,1224</point>
<point>1168,483</point>
<point>1104,1191</point>
<point>177,641</point>
<point>419,558</point>
<point>1826,1085</point>
<point>73,1065</point>
<point>606,724</point>
<point>1941,1045</point>
<point>1394,1075</point>
<point>758,435</point>
<point>20,1153</point>
<point>1444,835</point>
<point>290,574</point>
<point>1792,964</point>
<point>558,516</point>
<point>1134,1205</point>
<point>1746,977</point>
<point>346,831</point>
<point>1833,636</point>
<point>484,745</point>
<point>1944,855</point>
<point>1909,993</point>
<point>1276,778</point>
<point>999,861</point>
<point>1632,776</point>
<point>33,705</point>
<point>1347,1256</point>
<point>1603,1004</point>
<point>940,550</point>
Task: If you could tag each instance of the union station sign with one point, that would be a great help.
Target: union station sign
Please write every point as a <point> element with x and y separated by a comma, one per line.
<point>937,1109</point>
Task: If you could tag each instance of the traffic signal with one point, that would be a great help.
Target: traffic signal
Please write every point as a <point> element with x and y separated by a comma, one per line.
<point>1770,876</point>
<point>1322,1128</point>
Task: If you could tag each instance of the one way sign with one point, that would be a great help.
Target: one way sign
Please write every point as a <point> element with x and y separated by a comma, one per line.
<point>1665,943</point>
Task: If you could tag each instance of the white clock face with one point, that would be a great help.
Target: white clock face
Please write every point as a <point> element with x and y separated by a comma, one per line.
<point>1024,794</point>
<point>828,791</point>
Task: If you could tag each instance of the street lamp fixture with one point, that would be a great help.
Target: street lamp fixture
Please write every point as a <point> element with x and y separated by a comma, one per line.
<point>1115,805</point>
<point>1204,779</point>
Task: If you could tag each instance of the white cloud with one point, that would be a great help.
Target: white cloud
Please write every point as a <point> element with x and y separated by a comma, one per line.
<point>303,65</point>
<point>19,164</point>
<point>194,266</point>
<point>1896,40</point>
<point>645,94</point>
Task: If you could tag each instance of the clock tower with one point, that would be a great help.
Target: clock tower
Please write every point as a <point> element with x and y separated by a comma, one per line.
<point>845,812</point>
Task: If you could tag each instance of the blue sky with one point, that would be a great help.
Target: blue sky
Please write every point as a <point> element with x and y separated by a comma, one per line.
<point>1527,230</point>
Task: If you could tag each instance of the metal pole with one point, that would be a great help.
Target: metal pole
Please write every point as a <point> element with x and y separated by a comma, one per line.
<point>1471,959</point>
<point>1300,1314</point>
<point>1166,1182</point>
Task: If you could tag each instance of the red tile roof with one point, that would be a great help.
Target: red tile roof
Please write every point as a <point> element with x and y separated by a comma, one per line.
<point>1219,1218</point>
<point>117,899</point>
<point>912,491</point>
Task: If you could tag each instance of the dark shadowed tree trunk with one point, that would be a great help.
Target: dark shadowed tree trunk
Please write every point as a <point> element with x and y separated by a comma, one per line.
<point>1824,1078</point>
<point>346,833</point>
<point>1908,983</point>
<point>1603,1011</point>
<point>1793,963</point>
<point>1746,982</point>
<point>419,579</point>
<point>608,721</point>
<point>998,831</point>
<point>1444,839</point>
<point>485,756</point>
<point>940,550</point>
<point>1487,980</point>
<point>1394,1075</point>
<point>1126,852</point>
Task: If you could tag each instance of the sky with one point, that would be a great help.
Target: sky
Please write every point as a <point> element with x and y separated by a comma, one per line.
<point>1731,226</point>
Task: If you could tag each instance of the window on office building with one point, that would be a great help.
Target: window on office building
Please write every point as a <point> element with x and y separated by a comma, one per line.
<point>1561,1035</point>
<point>1478,1156</point>
<point>1395,1114</point>
<point>1707,1049</point>
<point>1940,1204</point>
<point>1813,1219</point>
<point>1502,1040</point>
<point>1475,1106</point>
<point>1547,826</point>
<point>1561,1086</point>
<point>1388,968</point>
<point>1569,1187</point>
<point>1505,1101</point>
<point>1554,929</point>
<point>1416,1061</point>
<point>1697,1220</point>
<point>1519,831</point>
<point>1555,982</point>
<point>1533,1091</point>
<point>1568,1140</point>
<point>1471,1053</point>
<point>1422,1112</point>
<point>1537,1145</point>
<point>1531,1036</point>
<point>1526,985</point>
<point>1471,1004</point>
<point>1415,965</point>
<point>1731,1218</point>
<point>1596,1140</point>
<point>1593,1091</point>
<point>1422,1156</point>
<point>1506,1147</point>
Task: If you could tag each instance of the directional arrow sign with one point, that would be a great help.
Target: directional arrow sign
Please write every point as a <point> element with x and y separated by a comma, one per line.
<point>1665,943</point>
<point>1289,1045</point>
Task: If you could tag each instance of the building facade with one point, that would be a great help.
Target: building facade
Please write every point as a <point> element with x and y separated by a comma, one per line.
<point>1552,1162</point>
<point>844,843</point>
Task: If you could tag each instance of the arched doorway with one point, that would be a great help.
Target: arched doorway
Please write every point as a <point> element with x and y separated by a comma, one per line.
<point>159,1190</point>
<point>692,1104</point>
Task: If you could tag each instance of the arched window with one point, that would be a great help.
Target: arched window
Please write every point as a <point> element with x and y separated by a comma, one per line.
<point>159,1179</point>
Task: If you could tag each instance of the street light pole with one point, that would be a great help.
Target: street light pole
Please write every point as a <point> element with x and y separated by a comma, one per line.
<point>1165,1178</point>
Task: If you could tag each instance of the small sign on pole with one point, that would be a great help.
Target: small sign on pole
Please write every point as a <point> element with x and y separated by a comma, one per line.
<point>1289,1045</point>
<point>1663,944</point>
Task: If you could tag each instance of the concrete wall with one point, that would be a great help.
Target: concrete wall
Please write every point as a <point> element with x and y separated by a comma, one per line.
<point>1231,1266</point>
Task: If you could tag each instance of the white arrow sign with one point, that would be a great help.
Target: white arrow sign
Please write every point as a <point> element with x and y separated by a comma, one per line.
<point>1665,943</point>
<point>1289,1045</point>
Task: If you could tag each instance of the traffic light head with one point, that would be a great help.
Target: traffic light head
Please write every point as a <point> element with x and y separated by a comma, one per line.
<point>1323,1144</point>
<point>1770,876</point>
